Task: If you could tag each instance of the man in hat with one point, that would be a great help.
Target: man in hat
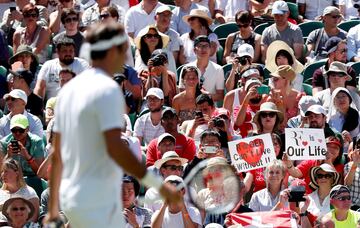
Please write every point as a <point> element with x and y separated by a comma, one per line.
<point>81,148</point>
<point>336,50</point>
<point>212,78</point>
<point>183,8</point>
<point>300,120</point>
<point>176,215</point>
<point>16,102</point>
<point>248,108</point>
<point>28,149</point>
<point>148,126</point>
<point>337,76</point>
<point>163,19</point>
<point>183,145</point>
<point>169,164</point>
<point>316,40</point>
<point>48,82</point>
<point>282,30</point>
<point>311,10</point>
<point>22,80</point>
<point>342,215</point>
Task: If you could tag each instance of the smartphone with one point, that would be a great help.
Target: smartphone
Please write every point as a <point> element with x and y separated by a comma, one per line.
<point>15,145</point>
<point>199,114</point>
<point>210,149</point>
<point>263,89</point>
<point>12,8</point>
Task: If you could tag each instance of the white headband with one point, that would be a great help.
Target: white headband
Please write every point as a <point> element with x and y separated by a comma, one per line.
<point>250,72</point>
<point>106,44</point>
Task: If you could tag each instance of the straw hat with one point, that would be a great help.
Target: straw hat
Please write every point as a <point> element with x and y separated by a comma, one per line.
<point>165,38</point>
<point>268,107</point>
<point>327,168</point>
<point>168,156</point>
<point>11,200</point>
<point>273,49</point>
<point>285,72</point>
<point>197,13</point>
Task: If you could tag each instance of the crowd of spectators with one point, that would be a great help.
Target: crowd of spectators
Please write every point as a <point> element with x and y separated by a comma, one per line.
<point>188,92</point>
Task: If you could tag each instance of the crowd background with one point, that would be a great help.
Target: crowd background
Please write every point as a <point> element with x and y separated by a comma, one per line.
<point>199,73</point>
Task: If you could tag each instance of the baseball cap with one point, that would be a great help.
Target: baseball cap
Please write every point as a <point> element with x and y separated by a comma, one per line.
<point>162,9</point>
<point>19,120</point>
<point>337,190</point>
<point>157,92</point>
<point>332,44</point>
<point>167,156</point>
<point>201,38</point>
<point>245,50</point>
<point>17,93</point>
<point>164,136</point>
<point>333,140</point>
<point>305,102</point>
<point>317,109</point>
<point>331,10</point>
<point>280,7</point>
<point>250,82</point>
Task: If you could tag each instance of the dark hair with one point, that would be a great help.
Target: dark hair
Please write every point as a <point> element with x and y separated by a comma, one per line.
<point>244,16</point>
<point>27,75</point>
<point>130,179</point>
<point>278,138</point>
<point>112,11</point>
<point>103,31</point>
<point>30,7</point>
<point>192,69</point>
<point>66,12</point>
<point>351,119</point>
<point>68,71</point>
<point>204,23</point>
<point>209,133</point>
<point>339,157</point>
<point>64,42</point>
<point>286,55</point>
<point>202,98</point>
<point>275,128</point>
<point>145,51</point>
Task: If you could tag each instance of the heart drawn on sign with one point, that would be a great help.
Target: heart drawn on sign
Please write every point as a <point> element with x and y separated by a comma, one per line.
<point>251,152</point>
<point>304,143</point>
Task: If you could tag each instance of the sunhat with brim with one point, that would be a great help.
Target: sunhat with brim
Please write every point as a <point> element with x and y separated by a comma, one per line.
<point>327,168</point>
<point>285,72</point>
<point>197,13</point>
<point>268,107</point>
<point>168,156</point>
<point>11,200</point>
<point>339,67</point>
<point>23,49</point>
<point>273,49</point>
<point>165,38</point>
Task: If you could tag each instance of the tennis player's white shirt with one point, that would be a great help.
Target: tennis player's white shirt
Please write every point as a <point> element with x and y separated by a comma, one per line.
<point>87,106</point>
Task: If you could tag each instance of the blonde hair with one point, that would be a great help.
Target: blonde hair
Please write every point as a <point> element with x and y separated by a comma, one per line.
<point>11,163</point>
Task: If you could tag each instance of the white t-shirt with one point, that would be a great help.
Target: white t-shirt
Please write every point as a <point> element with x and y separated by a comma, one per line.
<point>49,72</point>
<point>175,220</point>
<point>315,207</point>
<point>213,77</point>
<point>86,107</point>
<point>230,7</point>
<point>188,45</point>
<point>350,10</point>
<point>315,8</point>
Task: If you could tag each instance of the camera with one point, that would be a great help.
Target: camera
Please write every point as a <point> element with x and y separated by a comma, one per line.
<point>244,60</point>
<point>15,145</point>
<point>356,3</point>
<point>297,194</point>
<point>119,78</point>
<point>158,60</point>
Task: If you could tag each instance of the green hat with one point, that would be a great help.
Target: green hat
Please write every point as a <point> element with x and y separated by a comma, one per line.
<point>24,49</point>
<point>19,120</point>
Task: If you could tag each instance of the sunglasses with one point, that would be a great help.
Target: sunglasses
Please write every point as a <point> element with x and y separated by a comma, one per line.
<point>18,130</point>
<point>326,176</point>
<point>243,25</point>
<point>192,18</point>
<point>149,36</point>
<point>11,99</point>
<point>71,19</point>
<point>335,16</point>
<point>18,208</point>
<point>104,16</point>
<point>343,198</point>
<point>34,15</point>
<point>268,114</point>
<point>174,167</point>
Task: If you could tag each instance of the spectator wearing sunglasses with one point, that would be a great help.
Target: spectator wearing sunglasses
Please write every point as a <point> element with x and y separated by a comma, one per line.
<point>26,148</point>
<point>342,215</point>
<point>169,164</point>
<point>18,212</point>
<point>70,20</point>
<point>55,24</point>
<point>16,102</point>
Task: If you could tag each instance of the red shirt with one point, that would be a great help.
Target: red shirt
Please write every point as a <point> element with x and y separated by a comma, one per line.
<point>248,124</point>
<point>258,179</point>
<point>184,147</point>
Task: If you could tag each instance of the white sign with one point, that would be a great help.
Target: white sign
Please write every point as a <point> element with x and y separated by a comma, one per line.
<point>252,152</point>
<point>305,143</point>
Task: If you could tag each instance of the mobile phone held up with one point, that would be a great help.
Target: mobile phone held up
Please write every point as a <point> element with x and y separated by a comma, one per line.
<point>210,149</point>
<point>199,114</point>
<point>263,89</point>
<point>15,146</point>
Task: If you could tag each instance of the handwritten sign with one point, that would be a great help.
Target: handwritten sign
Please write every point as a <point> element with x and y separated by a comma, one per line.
<point>305,143</point>
<point>252,152</point>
